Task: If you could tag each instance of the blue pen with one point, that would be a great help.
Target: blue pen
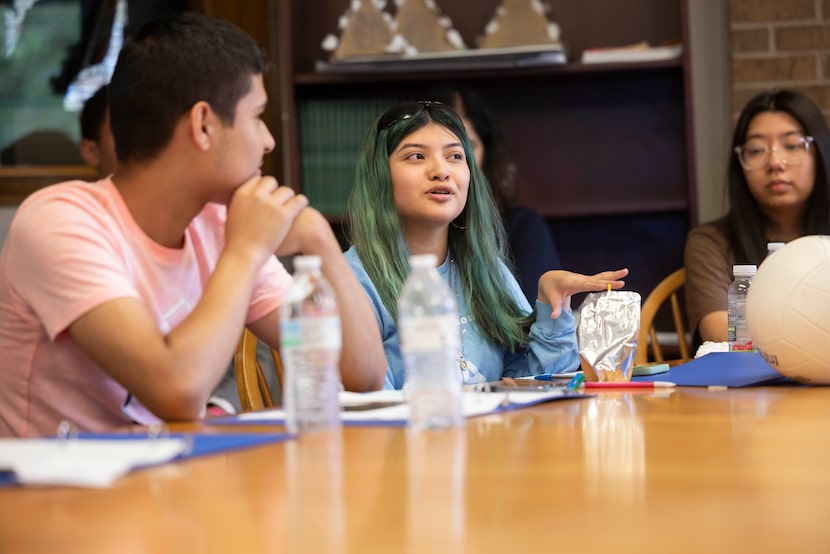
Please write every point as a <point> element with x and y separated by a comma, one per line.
<point>574,383</point>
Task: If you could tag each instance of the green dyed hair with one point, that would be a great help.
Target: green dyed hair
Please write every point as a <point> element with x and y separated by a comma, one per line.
<point>376,229</point>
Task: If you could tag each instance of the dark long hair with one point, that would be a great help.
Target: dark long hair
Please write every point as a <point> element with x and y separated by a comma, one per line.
<point>746,225</point>
<point>496,165</point>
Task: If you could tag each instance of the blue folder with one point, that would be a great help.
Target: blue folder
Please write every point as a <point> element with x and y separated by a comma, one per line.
<point>730,369</point>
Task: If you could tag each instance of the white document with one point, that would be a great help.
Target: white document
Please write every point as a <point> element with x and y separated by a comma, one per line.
<point>632,54</point>
<point>392,406</point>
<point>82,462</point>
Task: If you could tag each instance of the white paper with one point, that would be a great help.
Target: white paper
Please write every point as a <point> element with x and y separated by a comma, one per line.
<point>616,55</point>
<point>474,404</point>
<point>82,462</point>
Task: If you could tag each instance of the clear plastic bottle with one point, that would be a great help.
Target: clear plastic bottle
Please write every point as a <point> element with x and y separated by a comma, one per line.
<point>429,333</point>
<point>738,334</point>
<point>311,341</point>
<point>773,246</point>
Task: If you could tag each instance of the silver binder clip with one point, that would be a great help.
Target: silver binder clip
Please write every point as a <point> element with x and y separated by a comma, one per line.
<point>158,430</point>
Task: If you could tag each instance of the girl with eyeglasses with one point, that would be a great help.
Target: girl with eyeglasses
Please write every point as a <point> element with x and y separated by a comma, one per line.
<point>418,190</point>
<point>777,190</point>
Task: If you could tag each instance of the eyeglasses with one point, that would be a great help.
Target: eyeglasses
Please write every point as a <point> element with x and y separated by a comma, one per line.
<point>755,154</point>
<point>403,111</point>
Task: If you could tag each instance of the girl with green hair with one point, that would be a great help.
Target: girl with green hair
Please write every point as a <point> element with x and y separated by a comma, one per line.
<point>419,190</point>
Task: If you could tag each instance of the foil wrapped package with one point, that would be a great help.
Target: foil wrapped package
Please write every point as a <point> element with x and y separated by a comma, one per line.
<point>607,334</point>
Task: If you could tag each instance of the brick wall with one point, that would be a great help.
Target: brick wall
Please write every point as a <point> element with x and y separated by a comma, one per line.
<point>780,44</point>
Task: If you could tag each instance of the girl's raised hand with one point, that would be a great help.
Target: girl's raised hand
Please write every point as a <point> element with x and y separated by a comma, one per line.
<point>557,286</point>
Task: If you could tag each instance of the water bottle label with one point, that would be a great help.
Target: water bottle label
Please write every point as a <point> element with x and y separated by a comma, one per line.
<point>429,333</point>
<point>742,347</point>
<point>306,333</point>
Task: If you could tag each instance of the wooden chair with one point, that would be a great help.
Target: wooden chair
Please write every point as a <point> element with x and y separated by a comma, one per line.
<point>668,289</point>
<point>254,393</point>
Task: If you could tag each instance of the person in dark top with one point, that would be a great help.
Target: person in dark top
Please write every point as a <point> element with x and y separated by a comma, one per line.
<point>530,244</point>
<point>778,190</point>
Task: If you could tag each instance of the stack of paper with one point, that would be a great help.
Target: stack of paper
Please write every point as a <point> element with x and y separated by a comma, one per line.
<point>633,53</point>
<point>389,407</point>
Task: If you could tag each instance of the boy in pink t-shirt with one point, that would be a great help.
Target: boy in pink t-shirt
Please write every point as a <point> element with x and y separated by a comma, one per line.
<point>122,301</point>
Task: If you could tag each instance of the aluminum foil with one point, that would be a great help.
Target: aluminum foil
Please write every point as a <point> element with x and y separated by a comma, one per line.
<point>607,333</point>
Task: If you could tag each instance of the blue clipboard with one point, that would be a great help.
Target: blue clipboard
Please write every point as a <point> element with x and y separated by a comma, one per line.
<point>198,445</point>
<point>729,369</point>
<point>202,444</point>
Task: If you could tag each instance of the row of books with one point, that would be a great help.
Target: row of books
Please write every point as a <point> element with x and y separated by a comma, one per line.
<point>331,132</point>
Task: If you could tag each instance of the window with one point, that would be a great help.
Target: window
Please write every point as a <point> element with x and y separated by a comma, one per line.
<point>55,55</point>
<point>35,38</point>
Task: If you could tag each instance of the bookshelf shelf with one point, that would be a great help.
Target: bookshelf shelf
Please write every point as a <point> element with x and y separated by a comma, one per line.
<point>460,72</point>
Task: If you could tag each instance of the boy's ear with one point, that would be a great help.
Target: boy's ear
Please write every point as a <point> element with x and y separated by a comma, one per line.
<point>202,125</point>
<point>90,153</point>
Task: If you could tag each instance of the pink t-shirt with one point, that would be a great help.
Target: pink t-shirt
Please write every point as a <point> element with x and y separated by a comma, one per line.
<point>70,248</point>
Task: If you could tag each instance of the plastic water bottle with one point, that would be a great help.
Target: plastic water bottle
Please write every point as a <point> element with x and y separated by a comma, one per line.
<point>738,334</point>
<point>773,246</point>
<point>429,333</point>
<point>311,341</point>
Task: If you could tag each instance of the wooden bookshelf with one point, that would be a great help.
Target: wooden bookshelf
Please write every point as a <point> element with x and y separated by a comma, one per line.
<point>604,151</point>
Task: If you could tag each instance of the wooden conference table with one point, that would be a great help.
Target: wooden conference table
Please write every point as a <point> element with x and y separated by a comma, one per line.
<point>739,470</point>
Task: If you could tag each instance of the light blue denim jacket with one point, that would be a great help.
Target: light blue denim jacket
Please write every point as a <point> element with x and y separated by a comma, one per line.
<point>552,347</point>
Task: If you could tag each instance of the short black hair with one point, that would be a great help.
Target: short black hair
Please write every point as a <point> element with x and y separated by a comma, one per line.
<point>170,64</point>
<point>93,114</point>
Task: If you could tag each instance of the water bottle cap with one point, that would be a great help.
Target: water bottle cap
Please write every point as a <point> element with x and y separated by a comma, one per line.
<point>744,269</point>
<point>423,261</point>
<point>307,263</point>
<point>773,246</point>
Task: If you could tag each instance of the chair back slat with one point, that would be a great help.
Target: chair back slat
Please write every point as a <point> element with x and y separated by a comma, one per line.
<point>647,341</point>
<point>254,392</point>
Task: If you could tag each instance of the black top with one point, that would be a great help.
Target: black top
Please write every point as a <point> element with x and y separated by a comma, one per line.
<point>531,247</point>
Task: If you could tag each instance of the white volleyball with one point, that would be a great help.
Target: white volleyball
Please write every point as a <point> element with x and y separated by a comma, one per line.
<point>788,309</point>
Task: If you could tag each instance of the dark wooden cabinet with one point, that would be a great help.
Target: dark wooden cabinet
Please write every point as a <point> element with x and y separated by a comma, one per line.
<point>604,151</point>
